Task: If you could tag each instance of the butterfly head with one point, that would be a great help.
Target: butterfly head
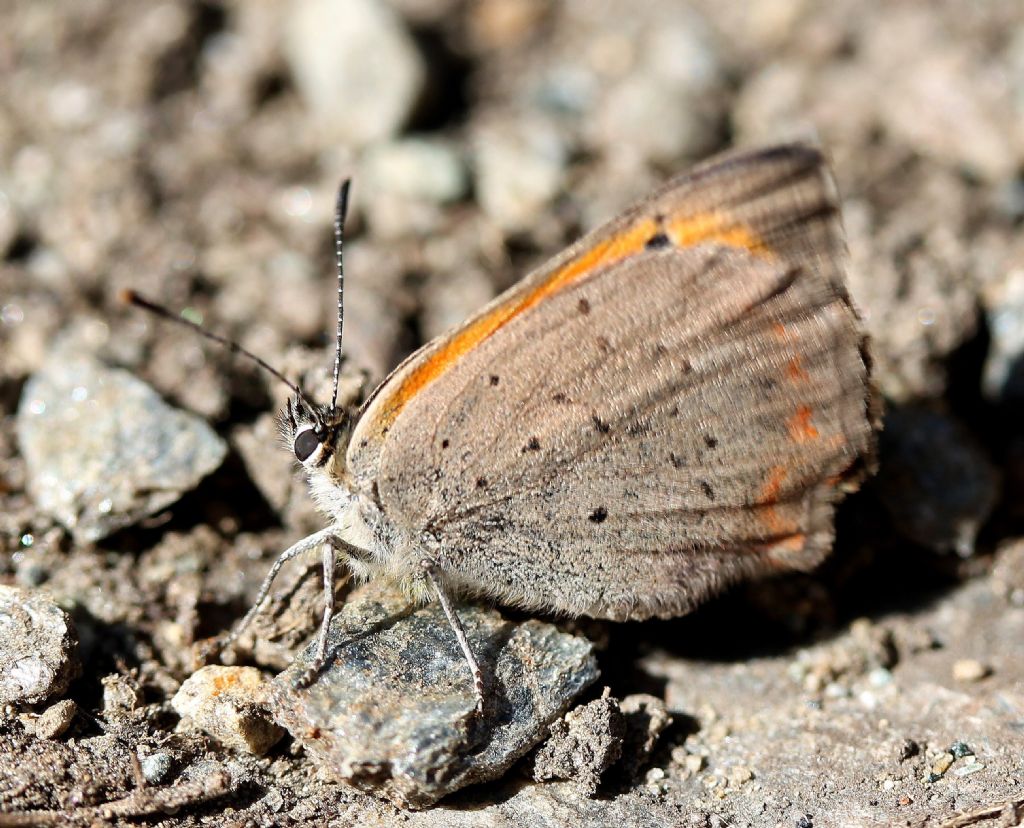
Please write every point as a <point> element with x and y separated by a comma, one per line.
<point>315,433</point>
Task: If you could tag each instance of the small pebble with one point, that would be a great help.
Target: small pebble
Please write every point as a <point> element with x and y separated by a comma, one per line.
<point>55,720</point>
<point>960,750</point>
<point>942,764</point>
<point>695,763</point>
<point>38,647</point>
<point>969,768</point>
<point>668,105</point>
<point>156,767</point>
<point>880,677</point>
<point>908,749</point>
<point>31,573</point>
<point>970,670</point>
<point>835,690</point>
<point>957,116</point>
<point>655,775</point>
<point>227,703</point>
<point>740,775</point>
<point>1008,572</point>
<point>1004,304</point>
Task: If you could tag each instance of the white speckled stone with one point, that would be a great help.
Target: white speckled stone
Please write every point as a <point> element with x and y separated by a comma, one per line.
<point>103,450</point>
<point>38,647</point>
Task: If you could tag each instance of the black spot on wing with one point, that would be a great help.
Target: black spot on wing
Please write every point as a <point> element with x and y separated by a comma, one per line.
<point>533,444</point>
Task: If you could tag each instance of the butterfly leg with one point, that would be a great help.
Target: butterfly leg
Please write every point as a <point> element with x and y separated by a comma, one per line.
<point>430,569</point>
<point>330,547</point>
<point>324,536</point>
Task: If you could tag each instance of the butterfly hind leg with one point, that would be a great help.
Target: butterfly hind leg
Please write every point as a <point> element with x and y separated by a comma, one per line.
<point>430,570</point>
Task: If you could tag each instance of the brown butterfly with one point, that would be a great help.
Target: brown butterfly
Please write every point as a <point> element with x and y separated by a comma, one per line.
<point>675,402</point>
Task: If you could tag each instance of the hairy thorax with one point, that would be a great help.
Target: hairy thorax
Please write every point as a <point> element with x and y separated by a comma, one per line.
<point>376,548</point>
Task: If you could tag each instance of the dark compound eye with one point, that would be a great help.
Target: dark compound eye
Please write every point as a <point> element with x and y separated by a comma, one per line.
<point>305,444</point>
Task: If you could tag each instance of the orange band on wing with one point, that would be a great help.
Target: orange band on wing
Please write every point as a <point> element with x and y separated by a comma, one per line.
<point>684,232</point>
<point>609,251</point>
<point>693,229</point>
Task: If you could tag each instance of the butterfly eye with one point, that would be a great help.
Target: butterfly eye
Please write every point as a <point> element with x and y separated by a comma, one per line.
<point>305,444</point>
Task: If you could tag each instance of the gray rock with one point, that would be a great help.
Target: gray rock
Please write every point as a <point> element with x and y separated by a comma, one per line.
<point>356,65</point>
<point>583,744</point>
<point>934,479</point>
<point>228,703</point>
<point>393,711</point>
<point>38,647</point>
<point>103,450</point>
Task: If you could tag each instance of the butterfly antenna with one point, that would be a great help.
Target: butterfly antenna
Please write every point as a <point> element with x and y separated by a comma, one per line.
<point>130,297</point>
<point>340,211</point>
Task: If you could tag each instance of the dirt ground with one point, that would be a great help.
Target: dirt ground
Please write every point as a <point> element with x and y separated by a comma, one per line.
<point>191,151</point>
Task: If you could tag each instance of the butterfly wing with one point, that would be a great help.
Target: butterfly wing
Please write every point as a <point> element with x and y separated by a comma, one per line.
<point>670,405</point>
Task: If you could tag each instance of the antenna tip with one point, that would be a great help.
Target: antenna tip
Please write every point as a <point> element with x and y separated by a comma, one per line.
<point>342,200</point>
<point>128,297</point>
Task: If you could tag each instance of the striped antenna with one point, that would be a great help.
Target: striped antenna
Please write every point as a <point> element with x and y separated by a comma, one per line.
<point>340,210</point>
<point>132,298</point>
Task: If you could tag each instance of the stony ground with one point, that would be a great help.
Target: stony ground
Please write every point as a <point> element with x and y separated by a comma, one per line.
<point>191,151</point>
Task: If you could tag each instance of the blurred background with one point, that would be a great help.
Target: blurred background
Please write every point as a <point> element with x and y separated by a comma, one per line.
<point>192,151</point>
